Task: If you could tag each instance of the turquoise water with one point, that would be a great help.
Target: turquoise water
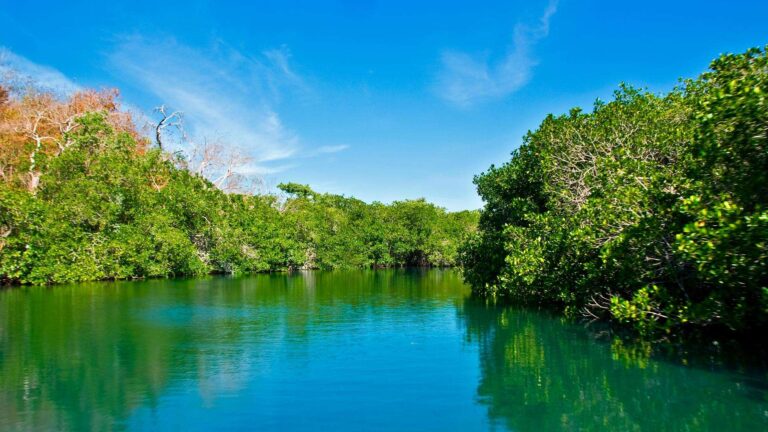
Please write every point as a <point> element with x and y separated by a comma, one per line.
<point>363,350</point>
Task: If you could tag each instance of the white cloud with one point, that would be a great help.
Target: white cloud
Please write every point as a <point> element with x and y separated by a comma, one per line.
<point>282,73</point>
<point>47,78</point>
<point>260,170</point>
<point>332,149</point>
<point>222,92</point>
<point>466,79</point>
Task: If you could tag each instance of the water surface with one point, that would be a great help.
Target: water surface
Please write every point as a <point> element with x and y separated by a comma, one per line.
<point>364,350</point>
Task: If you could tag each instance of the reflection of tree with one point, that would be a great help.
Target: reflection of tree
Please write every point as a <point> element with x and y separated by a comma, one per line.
<point>69,349</point>
<point>539,373</point>
<point>84,357</point>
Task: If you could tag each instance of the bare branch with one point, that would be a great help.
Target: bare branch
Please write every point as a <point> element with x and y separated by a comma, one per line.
<point>173,119</point>
<point>219,164</point>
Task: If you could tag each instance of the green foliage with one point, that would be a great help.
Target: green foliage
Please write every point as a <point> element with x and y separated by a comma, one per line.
<point>649,210</point>
<point>340,232</point>
<point>106,210</point>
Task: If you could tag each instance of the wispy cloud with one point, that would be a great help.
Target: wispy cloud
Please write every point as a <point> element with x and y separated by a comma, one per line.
<point>331,149</point>
<point>222,92</point>
<point>45,77</point>
<point>467,79</point>
<point>261,170</point>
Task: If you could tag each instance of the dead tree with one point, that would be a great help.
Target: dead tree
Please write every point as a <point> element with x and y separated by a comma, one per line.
<point>173,119</point>
<point>220,164</point>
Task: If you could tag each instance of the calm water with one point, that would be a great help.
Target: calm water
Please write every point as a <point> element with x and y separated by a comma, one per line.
<point>385,350</point>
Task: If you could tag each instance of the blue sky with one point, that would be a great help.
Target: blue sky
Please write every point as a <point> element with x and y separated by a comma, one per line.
<point>378,100</point>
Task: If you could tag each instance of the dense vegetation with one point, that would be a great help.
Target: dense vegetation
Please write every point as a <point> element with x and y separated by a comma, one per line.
<point>650,210</point>
<point>83,196</point>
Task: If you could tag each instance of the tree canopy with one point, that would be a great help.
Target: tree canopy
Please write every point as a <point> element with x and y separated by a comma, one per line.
<point>649,210</point>
<point>84,196</point>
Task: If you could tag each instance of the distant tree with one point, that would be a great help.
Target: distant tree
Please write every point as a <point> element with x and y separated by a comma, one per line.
<point>83,197</point>
<point>298,190</point>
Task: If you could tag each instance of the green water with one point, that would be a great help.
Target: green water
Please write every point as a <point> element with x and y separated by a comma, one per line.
<point>375,350</point>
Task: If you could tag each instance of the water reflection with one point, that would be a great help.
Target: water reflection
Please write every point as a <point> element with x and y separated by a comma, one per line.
<point>376,350</point>
<point>127,355</point>
<point>541,373</point>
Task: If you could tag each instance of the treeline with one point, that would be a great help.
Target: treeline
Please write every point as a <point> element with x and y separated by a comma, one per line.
<point>650,210</point>
<point>83,196</point>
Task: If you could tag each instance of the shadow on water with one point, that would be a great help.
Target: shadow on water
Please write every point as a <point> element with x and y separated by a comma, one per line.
<point>540,372</point>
